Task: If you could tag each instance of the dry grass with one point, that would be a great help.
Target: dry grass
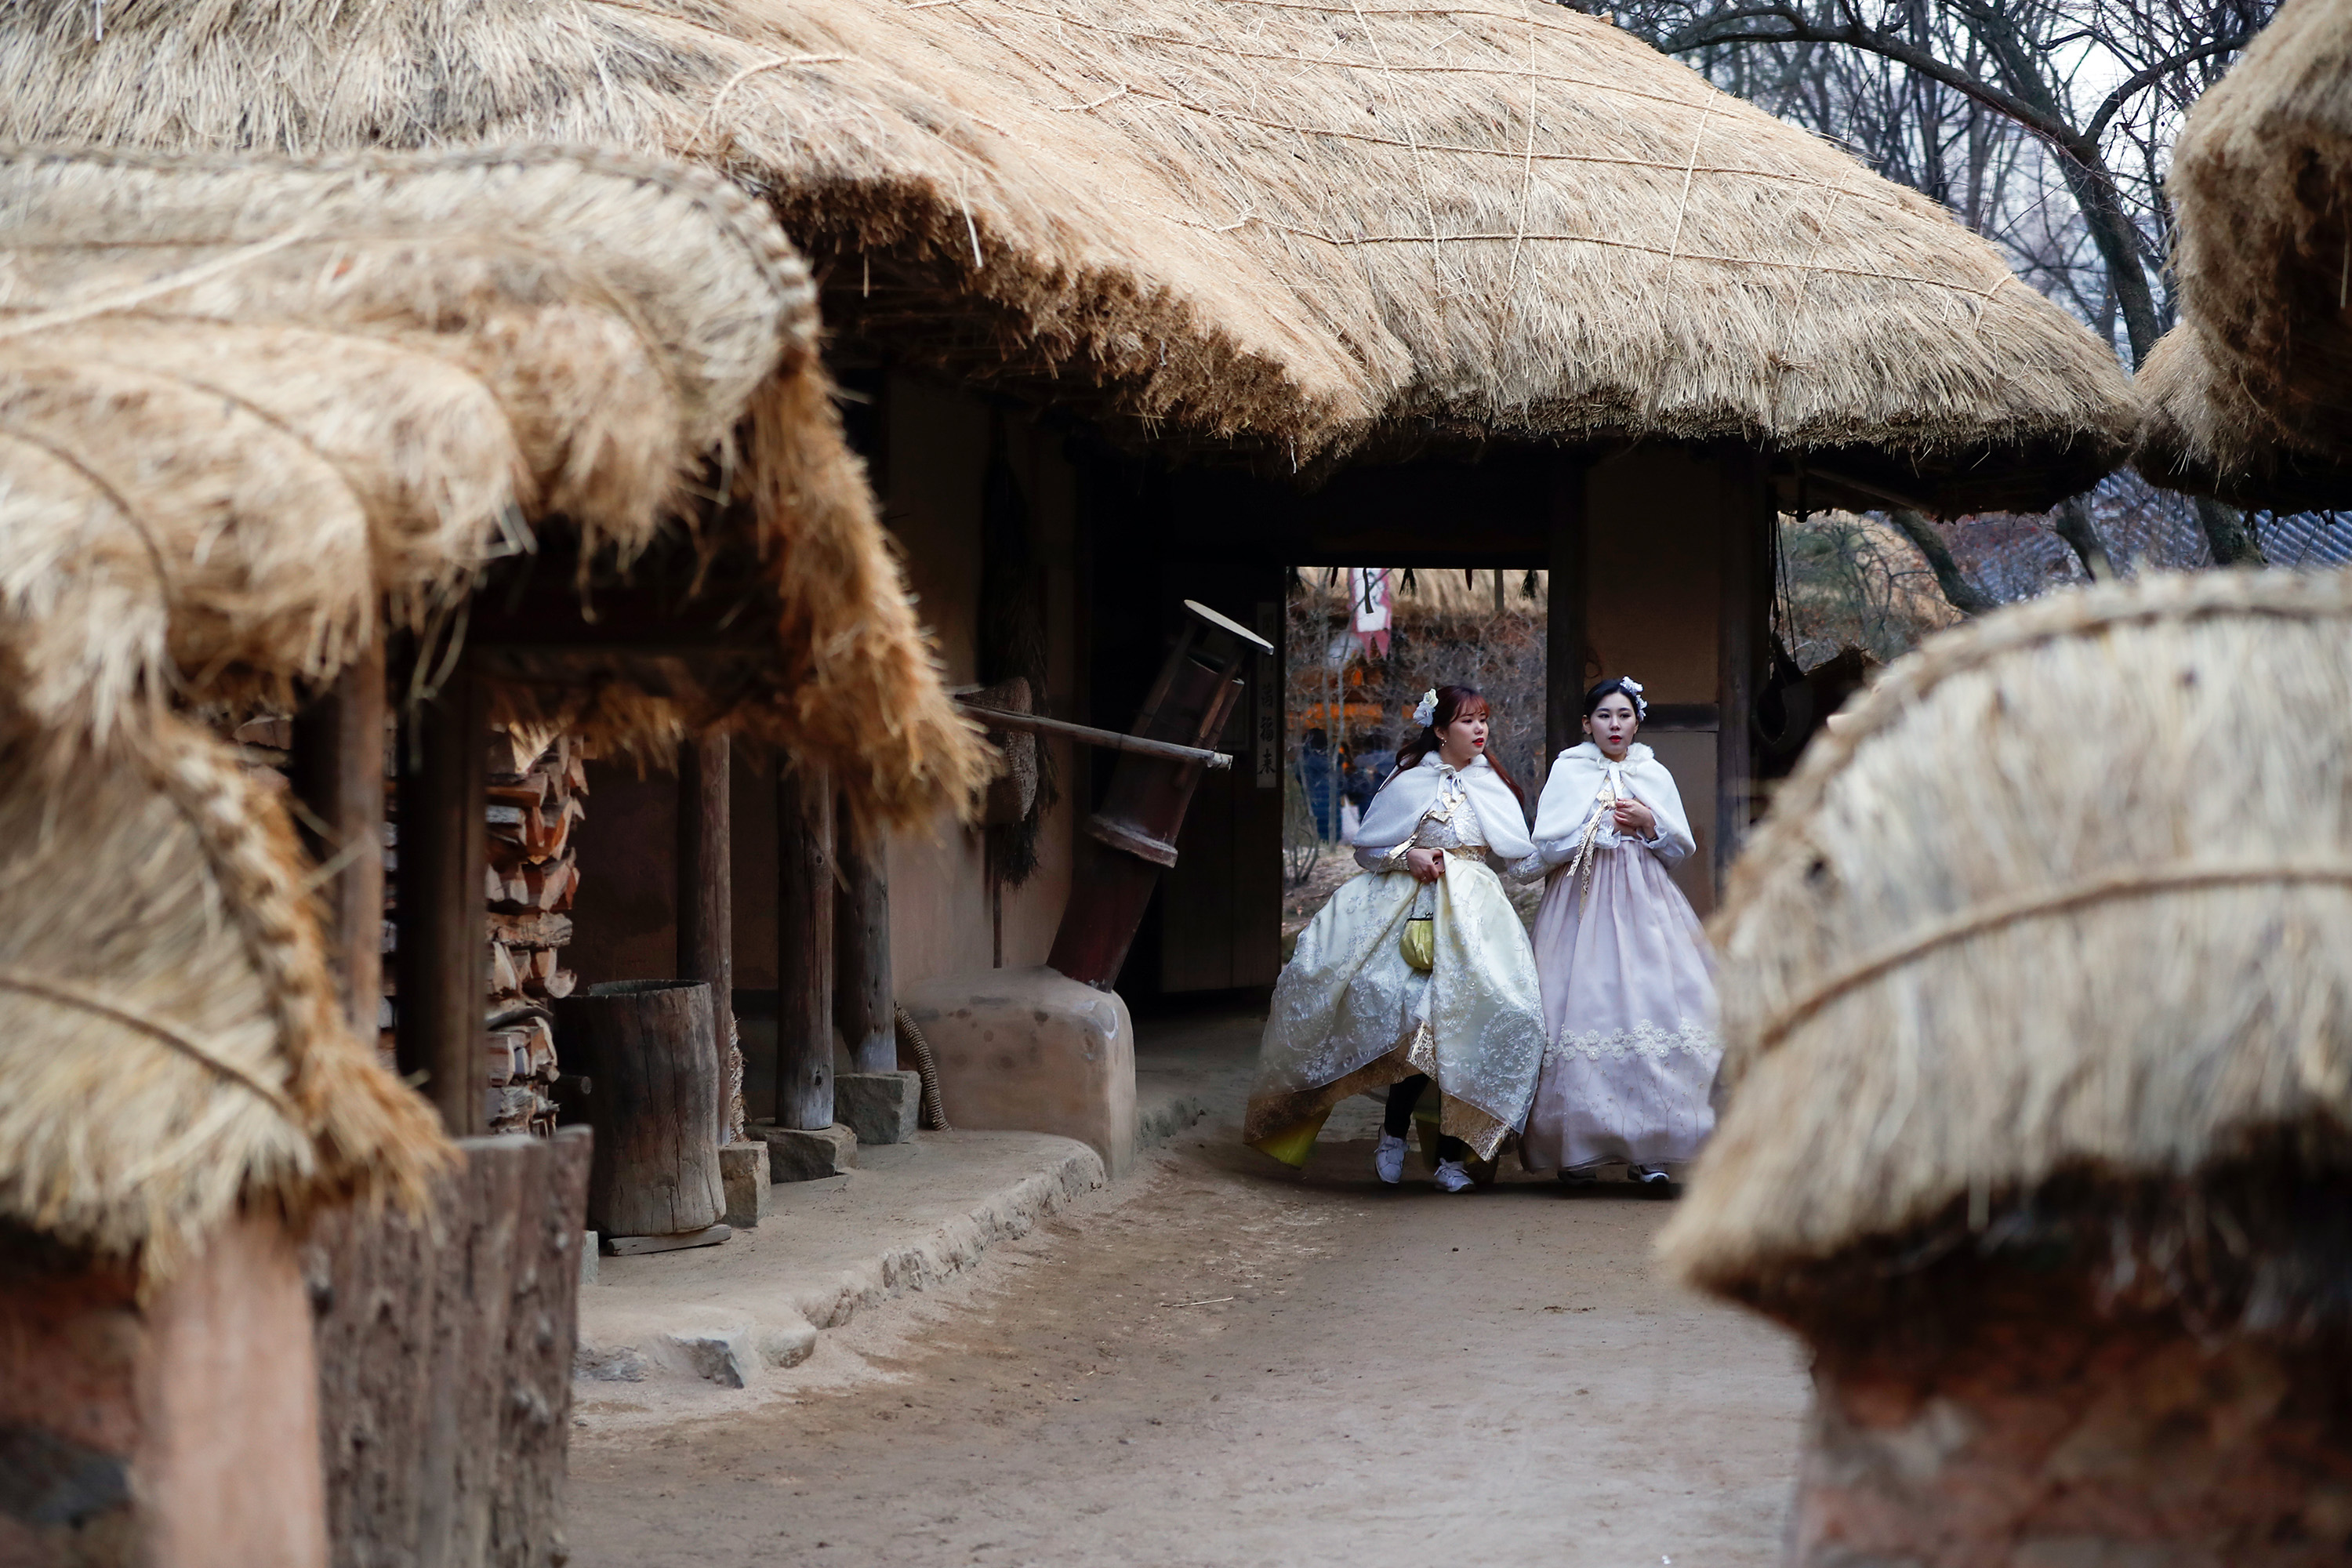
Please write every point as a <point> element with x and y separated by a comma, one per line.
<point>1303,228</point>
<point>2259,375</point>
<point>2070,892</point>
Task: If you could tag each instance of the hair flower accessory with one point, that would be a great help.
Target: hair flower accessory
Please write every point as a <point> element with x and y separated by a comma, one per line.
<point>1424,713</point>
<point>1632,688</point>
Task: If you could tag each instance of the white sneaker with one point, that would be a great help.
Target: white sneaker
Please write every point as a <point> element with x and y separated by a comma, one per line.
<point>1388,1160</point>
<point>1649,1175</point>
<point>1453,1178</point>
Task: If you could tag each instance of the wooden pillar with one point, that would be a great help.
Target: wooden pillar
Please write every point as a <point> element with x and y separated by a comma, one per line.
<point>337,776</point>
<point>862,996</point>
<point>706,924</point>
<point>443,961</point>
<point>1745,624</point>
<point>804,865</point>
<point>1564,610</point>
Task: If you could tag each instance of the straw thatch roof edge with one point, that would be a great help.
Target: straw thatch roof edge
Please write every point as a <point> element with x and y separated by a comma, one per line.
<point>2187,1009</point>
<point>2262,187</point>
<point>1459,222</point>
<point>423,361</point>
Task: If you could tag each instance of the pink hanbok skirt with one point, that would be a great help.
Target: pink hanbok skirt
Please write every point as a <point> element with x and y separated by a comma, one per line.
<point>1628,1020</point>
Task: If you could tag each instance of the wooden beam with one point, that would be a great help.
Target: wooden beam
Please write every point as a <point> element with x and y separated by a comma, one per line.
<point>1564,607</point>
<point>706,919</point>
<point>337,776</point>
<point>443,962</point>
<point>863,997</point>
<point>804,868</point>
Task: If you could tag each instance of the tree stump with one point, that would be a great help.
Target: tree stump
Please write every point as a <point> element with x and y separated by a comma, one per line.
<point>650,1053</point>
<point>445,1345</point>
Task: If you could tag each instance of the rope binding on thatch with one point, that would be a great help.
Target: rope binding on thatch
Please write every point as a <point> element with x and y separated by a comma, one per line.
<point>131,1017</point>
<point>1982,918</point>
<point>2061,896</point>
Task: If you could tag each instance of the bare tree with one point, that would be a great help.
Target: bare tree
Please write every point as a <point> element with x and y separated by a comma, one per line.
<point>2045,125</point>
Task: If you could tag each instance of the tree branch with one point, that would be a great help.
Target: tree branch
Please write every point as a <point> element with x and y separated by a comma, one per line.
<point>2147,77</point>
<point>1801,29</point>
<point>1958,592</point>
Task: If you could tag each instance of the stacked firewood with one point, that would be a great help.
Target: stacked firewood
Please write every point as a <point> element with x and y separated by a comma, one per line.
<point>536,796</point>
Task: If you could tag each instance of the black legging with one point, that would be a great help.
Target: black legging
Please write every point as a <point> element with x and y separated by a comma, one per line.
<point>1402,1096</point>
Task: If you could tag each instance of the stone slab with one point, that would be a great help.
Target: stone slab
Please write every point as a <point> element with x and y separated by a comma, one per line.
<point>879,1106</point>
<point>1032,1050</point>
<point>743,1168</point>
<point>677,1241</point>
<point>794,1155</point>
<point>911,1216</point>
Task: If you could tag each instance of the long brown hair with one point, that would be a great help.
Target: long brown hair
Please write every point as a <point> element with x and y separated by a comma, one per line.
<point>1452,702</point>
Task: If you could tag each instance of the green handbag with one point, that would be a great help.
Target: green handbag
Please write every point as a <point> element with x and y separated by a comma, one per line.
<point>1419,943</point>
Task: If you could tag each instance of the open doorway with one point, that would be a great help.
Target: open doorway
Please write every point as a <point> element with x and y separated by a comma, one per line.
<point>1363,643</point>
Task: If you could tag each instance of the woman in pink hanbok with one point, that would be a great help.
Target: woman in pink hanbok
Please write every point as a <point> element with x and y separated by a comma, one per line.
<point>1627,988</point>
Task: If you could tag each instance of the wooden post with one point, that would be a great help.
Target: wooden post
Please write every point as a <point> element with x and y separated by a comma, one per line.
<point>706,923</point>
<point>445,1345</point>
<point>337,776</point>
<point>1564,611</point>
<point>804,861</point>
<point>443,961</point>
<point>1748,513</point>
<point>862,996</point>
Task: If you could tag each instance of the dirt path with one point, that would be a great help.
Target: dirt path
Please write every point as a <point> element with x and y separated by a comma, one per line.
<point>1216,1365</point>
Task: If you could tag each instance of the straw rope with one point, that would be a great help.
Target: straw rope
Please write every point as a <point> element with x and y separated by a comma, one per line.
<point>2038,905</point>
<point>67,995</point>
<point>124,300</point>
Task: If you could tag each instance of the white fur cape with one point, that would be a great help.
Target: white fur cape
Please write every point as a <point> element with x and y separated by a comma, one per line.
<point>1406,798</point>
<point>1575,782</point>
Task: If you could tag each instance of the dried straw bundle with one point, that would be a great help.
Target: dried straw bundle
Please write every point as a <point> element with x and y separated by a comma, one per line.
<point>244,403</point>
<point>2069,896</point>
<point>174,1049</point>
<point>2262,179</point>
<point>1306,229</point>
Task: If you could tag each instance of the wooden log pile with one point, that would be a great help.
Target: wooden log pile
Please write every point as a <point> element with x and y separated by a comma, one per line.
<point>537,793</point>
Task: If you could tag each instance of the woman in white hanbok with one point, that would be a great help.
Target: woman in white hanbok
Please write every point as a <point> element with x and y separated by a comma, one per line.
<point>1628,985</point>
<point>1418,970</point>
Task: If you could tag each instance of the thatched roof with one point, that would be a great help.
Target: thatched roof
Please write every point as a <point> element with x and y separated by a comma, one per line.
<point>1296,230</point>
<point>2205,429</point>
<point>2256,382</point>
<point>2067,894</point>
<point>247,408</point>
<point>172,1049</point>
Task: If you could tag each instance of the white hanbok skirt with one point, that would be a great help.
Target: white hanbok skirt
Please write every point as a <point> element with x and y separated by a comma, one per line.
<point>1349,1014</point>
<point>1629,1015</point>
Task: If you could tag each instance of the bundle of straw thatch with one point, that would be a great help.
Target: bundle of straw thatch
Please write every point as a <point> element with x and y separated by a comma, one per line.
<point>2066,896</point>
<point>1299,228</point>
<point>2256,382</point>
<point>172,1049</point>
<point>249,405</point>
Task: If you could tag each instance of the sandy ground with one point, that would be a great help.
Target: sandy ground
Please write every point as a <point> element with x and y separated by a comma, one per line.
<point>1218,1362</point>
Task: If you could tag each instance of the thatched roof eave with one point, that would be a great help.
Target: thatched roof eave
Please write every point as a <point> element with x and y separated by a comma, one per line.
<point>1522,222</point>
<point>2251,397</point>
